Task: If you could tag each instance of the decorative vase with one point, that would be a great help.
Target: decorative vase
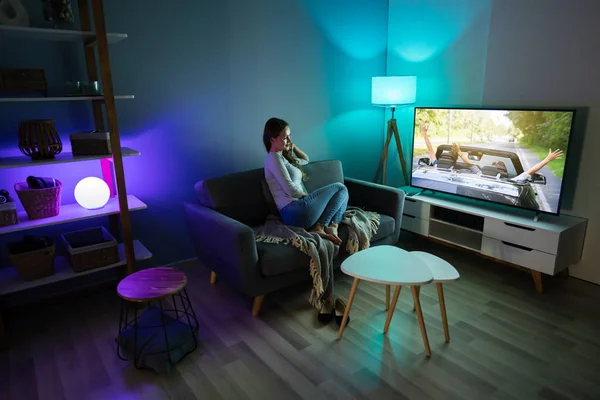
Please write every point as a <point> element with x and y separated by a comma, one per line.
<point>13,13</point>
<point>39,139</point>
<point>59,12</point>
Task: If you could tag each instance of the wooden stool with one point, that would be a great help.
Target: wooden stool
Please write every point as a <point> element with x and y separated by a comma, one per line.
<point>153,286</point>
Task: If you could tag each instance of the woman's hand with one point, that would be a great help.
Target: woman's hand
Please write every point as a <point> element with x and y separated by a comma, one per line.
<point>554,155</point>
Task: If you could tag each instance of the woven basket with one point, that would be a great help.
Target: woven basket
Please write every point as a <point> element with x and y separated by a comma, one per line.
<point>91,248</point>
<point>34,264</point>
<point>8,214</point>
<point>39,203</point>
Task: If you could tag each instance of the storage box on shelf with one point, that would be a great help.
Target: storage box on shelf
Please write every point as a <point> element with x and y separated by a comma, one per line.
<point>91,248</point>
<point>8,214</point>
<point>90,143</point>
<point>548,245</point>
<point>32,259</point>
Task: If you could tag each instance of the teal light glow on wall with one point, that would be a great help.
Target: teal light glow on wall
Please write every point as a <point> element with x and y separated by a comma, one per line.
<point>354,26</point>
<point>392,91</point>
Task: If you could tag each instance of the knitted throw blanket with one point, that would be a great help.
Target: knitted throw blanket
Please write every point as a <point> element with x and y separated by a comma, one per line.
<point>362,225</point>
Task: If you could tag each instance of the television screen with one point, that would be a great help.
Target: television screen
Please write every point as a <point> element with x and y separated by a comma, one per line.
<point>509,156</point>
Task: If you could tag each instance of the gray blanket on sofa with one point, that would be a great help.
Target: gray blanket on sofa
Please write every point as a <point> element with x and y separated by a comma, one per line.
<point>362,225</point>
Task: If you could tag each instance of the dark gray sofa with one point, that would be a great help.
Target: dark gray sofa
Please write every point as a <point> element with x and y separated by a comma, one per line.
<point>228,206</point>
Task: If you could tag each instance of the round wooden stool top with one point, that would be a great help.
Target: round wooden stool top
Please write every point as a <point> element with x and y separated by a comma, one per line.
<point>151,284</point>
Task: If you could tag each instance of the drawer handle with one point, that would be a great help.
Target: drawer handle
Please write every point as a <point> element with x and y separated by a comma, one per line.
<point>520,227</point>
<point>410,200</point>
<point>517,246</point>
<point>408,215</point>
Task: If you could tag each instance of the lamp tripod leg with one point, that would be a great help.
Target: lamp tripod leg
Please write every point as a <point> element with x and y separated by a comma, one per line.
<point>400,153</point>
<point>384,157</point>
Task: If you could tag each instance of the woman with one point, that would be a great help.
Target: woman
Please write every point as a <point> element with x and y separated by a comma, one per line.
<point>320,211</point>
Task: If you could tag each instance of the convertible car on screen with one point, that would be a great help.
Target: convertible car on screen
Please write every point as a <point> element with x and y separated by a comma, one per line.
<point>485,178</point>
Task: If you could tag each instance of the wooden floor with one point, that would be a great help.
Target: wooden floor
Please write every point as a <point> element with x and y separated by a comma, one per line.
<point>507,342</point>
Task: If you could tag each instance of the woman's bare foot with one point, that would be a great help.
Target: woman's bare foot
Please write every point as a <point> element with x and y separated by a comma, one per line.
<point>320,230</point>
<point>332,229</point>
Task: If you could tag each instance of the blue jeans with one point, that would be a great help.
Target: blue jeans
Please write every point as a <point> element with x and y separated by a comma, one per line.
<point>323,206</point>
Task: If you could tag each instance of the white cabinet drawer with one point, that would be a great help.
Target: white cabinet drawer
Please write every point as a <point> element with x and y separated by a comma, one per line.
<point>518,254</point>
<point>416,225</point>
<point>537,239</point>
<point>416,208</point>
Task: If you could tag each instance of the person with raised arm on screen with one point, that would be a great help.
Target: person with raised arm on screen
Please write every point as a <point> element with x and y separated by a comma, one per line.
<point>523,176</point>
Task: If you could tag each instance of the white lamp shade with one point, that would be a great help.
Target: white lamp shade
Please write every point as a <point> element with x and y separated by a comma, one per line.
<point>92,193</point>
<point>393,91</point>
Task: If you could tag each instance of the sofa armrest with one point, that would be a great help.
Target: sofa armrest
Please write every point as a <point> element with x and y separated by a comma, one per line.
<point>224,245</point>
<point>379,198</point>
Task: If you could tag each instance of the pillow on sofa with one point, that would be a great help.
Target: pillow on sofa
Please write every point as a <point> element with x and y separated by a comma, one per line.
<point>269,198</point>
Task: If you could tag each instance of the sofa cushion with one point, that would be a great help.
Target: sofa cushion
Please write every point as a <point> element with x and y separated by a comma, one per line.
<point>273,210</point>
<point>238,196</point>
<point>276,259</point>
<point>323,173</point>
<point>387,225</point>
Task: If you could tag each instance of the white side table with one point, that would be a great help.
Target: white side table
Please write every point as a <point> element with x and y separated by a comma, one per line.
<point>388,265</point>
<point>442,272</point>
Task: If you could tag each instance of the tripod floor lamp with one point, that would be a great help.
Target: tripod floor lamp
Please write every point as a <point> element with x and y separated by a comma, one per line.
<point>391,92</point>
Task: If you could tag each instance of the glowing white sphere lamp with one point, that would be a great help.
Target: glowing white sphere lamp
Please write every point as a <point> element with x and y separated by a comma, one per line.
<point>92,193</point>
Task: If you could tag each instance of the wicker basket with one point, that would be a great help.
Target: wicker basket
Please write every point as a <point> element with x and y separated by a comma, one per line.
<point>8,214</point>
<point>33,264</point>
<point>39,203</point>
<point>91,248</point>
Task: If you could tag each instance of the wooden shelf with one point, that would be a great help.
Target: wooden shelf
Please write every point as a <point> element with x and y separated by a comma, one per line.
<point>62,98</point>
<point>72,213</point>
<point>62,158</point>
<point>56,35</point>
<point>11,283</point>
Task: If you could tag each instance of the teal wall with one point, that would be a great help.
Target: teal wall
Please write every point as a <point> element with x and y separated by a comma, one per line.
<point>206,76</point>
<point>444,43</point>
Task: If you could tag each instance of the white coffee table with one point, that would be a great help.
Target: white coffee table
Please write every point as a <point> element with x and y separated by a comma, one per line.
<point>388,265</point>
<point>442,272</point>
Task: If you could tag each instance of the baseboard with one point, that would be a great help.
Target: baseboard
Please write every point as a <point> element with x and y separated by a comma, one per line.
<point>175,263</point>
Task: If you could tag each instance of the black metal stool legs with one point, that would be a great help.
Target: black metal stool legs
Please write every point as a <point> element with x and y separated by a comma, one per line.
<point>168,316</point>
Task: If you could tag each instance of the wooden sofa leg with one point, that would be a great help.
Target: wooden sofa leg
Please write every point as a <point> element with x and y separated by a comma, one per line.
<point>213,278</point>
<point>257,304</point>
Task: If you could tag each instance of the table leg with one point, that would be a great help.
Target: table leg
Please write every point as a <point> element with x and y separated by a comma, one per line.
<point>348,306</point>
<point>418,294</point>
<point>415,295</point>
<point>387,297</point>
<point>440,291</point>
<point>537,280</point>
<point>391,310</point>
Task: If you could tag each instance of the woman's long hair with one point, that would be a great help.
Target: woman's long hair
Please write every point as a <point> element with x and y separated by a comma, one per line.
<point>273,128</point>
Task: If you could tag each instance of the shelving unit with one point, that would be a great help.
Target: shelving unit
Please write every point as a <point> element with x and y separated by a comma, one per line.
<point>72,213</point>
<point>60,98</point>
<point>11,283</point>
<point>104,110</point>
<point>62,158</point>
<point>57,35</point>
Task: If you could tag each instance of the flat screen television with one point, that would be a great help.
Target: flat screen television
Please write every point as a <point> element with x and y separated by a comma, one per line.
<point>514,157</point>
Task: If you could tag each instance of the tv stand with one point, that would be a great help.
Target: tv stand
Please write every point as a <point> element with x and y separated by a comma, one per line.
<point>420,192</point>
<point>545,244</point>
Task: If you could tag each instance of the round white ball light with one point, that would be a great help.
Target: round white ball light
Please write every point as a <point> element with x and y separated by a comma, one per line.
<point>92,193</point>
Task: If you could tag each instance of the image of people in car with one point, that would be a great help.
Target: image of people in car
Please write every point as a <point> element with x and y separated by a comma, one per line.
<point>518,154</point>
